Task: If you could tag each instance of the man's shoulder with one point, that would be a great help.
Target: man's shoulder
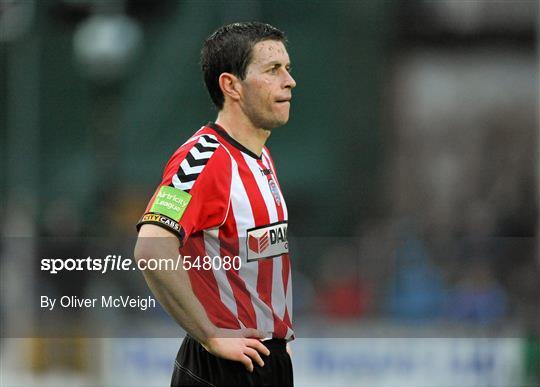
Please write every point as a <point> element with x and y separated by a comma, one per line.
<point>204,136</point>
<point>201,155</point>
<point>202,145</point>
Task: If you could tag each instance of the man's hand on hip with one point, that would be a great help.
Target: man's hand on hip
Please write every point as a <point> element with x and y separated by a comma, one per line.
<point>241,345</point>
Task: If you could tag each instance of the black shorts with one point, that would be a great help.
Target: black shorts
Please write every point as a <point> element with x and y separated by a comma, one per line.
<point>195,366</point>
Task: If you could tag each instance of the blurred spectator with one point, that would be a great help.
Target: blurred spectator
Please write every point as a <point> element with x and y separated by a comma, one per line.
<point>477,298</point>
<point>304,294</point>
<point>417,290</point>
<point>342,292</point>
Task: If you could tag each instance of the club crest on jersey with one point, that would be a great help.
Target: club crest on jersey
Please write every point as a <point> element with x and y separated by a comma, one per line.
<point>267,241</point>
<point>275,191</point>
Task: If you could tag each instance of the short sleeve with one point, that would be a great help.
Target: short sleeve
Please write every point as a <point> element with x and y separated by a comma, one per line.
<point>194,193</point>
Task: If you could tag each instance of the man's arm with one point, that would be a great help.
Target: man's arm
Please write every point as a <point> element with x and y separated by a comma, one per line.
<point>173,290</point>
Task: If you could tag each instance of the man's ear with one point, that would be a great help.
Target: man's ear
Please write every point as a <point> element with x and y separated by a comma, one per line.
<point>230,85</point>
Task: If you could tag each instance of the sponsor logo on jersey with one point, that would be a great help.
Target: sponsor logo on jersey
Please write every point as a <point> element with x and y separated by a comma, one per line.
<point>157,218</point>
<point>171,202</point>
<point>267,241</point>
<point>259,244</point>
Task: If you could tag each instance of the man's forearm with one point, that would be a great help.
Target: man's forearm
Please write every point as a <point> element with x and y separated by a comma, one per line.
<point>173,288</point>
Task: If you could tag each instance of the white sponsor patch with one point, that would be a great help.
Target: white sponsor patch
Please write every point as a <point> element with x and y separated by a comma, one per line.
<point>267,241</point>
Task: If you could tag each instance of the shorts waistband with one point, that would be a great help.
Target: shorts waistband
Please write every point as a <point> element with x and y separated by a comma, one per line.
<point>275,344</point>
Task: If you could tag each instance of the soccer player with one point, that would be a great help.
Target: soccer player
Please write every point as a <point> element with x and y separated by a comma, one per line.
<point>220,208</point>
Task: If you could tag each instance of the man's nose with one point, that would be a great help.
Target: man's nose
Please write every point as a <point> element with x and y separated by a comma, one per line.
<point>289,80</point>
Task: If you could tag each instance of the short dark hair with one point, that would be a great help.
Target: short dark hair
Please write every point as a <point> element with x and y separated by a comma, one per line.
<point>229,50</point>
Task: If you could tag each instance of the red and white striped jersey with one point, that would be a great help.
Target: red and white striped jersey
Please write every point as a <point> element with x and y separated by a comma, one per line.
<point>226,202</point>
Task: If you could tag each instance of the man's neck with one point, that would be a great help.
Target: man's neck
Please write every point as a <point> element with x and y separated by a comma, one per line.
<point>243,131</point>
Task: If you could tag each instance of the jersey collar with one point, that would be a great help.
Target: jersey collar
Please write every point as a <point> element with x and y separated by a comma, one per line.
<point>219,129</point>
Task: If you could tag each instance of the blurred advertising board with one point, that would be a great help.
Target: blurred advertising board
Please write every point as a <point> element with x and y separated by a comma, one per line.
<point>404,362</point>
<point>384,362</point>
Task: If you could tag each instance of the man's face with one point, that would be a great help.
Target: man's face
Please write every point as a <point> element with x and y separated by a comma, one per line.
<point>266,88</point>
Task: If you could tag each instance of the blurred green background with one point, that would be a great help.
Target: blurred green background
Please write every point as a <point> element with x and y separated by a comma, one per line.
<point>76,134</point>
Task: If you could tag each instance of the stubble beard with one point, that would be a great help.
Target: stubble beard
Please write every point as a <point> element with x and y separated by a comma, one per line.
<point>266,123</point>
